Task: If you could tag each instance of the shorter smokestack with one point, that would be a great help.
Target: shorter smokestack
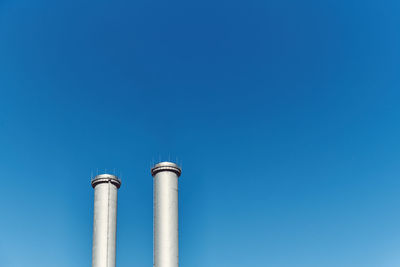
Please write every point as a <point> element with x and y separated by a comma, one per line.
<point>105,220</point>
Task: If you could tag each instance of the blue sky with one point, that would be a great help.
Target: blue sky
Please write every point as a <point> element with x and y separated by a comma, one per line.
<point>285,115</point>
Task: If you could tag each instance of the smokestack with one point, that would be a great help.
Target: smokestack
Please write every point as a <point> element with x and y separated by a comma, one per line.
<point>166,249</point>
<point>104,219</point>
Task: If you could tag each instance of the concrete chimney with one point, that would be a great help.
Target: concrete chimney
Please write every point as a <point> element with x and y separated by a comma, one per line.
<point>105,219</point>
<point>165,205</point>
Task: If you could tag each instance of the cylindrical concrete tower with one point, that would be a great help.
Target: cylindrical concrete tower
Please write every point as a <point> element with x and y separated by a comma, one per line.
<point>166,248</point>
<point>105,219</point>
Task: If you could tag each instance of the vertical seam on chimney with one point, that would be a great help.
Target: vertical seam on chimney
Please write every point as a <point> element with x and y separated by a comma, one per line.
<point>108,219</point>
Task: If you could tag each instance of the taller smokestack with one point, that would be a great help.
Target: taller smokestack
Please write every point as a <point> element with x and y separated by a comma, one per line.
<point>105,219</point>
<point>166,248</point>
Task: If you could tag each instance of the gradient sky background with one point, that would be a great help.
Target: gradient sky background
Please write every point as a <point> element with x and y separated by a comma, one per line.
<point>284,113</point>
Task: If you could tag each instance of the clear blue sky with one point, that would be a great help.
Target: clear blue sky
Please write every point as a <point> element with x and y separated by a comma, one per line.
<point>285,115</point>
